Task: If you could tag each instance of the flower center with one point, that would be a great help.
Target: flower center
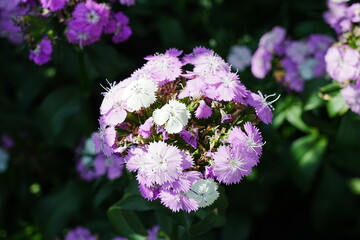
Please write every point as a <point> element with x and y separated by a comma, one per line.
<point>92,17</point>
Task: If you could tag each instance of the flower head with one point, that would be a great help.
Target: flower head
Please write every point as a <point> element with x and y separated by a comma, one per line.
<point>139,93</point>
<point>204,192</point>
<point>232,164</point>
<point>42,53</point>
<point>173,115</point>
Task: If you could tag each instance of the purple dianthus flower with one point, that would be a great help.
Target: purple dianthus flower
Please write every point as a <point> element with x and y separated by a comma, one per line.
<point>351,95</point>
<point>262,108</point>
<point>232,164</point>
<point>261,63</point>
<point>42,53</point>
<point>250,138</point>
<point>178,201</point>
<point>111,166</point>
<point>118,24</point>
<point>272,39</point>
<point>163,163</point>
<point>53,5</point>
<point>342,63</point>
<point>203,110</point>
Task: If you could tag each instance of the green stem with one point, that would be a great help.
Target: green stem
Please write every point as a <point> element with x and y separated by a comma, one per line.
<point>84,77</point>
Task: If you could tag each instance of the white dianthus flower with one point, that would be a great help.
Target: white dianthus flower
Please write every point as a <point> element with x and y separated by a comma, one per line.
<point>140,93</point>
<point>204,192</point>
<point>173,115</point>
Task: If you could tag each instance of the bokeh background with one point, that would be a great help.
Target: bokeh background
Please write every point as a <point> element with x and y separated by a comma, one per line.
<point>307,184</point>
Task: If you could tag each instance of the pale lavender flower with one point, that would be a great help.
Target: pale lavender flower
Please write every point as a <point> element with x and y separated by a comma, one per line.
<point>178,201</point>
<point>262,108</point>
<point>104,139</point>
<point>135,159</point>
<point>163,163</point>
<point>261,63</point>
<point>42,53</point>
<point>250,137</point>
<point>164,67</point>
<point>342,63</point>
<point>116,115</point>
<point>207,63</point>
<point>118,24</point>
<point>239,57</point>
<point>184,182</point>
<point>111,166</point>
<point>112,96</point>
<point>232,164</point>
<point>297,51</point>
<point>335,15</point>
<point>351,95</point>
<point>80,233</point>
<point>53,5</point>
<point>195,88</point>
<point>353,12</point>
<point>203,110</point>
<point>272,39</point>
<point>228,87</point>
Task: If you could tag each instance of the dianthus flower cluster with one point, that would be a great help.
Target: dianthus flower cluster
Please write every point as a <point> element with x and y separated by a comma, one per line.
<point>292,62</point>
<point>343,58</point>
<point>85,20</point>
<point>92,164</point>
<point>183,125</point>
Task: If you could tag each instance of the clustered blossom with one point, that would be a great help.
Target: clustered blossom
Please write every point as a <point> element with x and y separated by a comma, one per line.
<point>293,62</point>
<point>342,17</point>
<point>343,58</point>
<point>183,125</point>
<point>91,19</point>
<point>92,163</point>
<point>85,25</point>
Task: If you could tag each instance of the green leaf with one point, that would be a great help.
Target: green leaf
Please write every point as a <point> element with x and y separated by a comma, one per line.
<point>336,106</point>
<point>293,115</point>
<point>123,216</point>
<point>203,225</point>
<point>307,153</point>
